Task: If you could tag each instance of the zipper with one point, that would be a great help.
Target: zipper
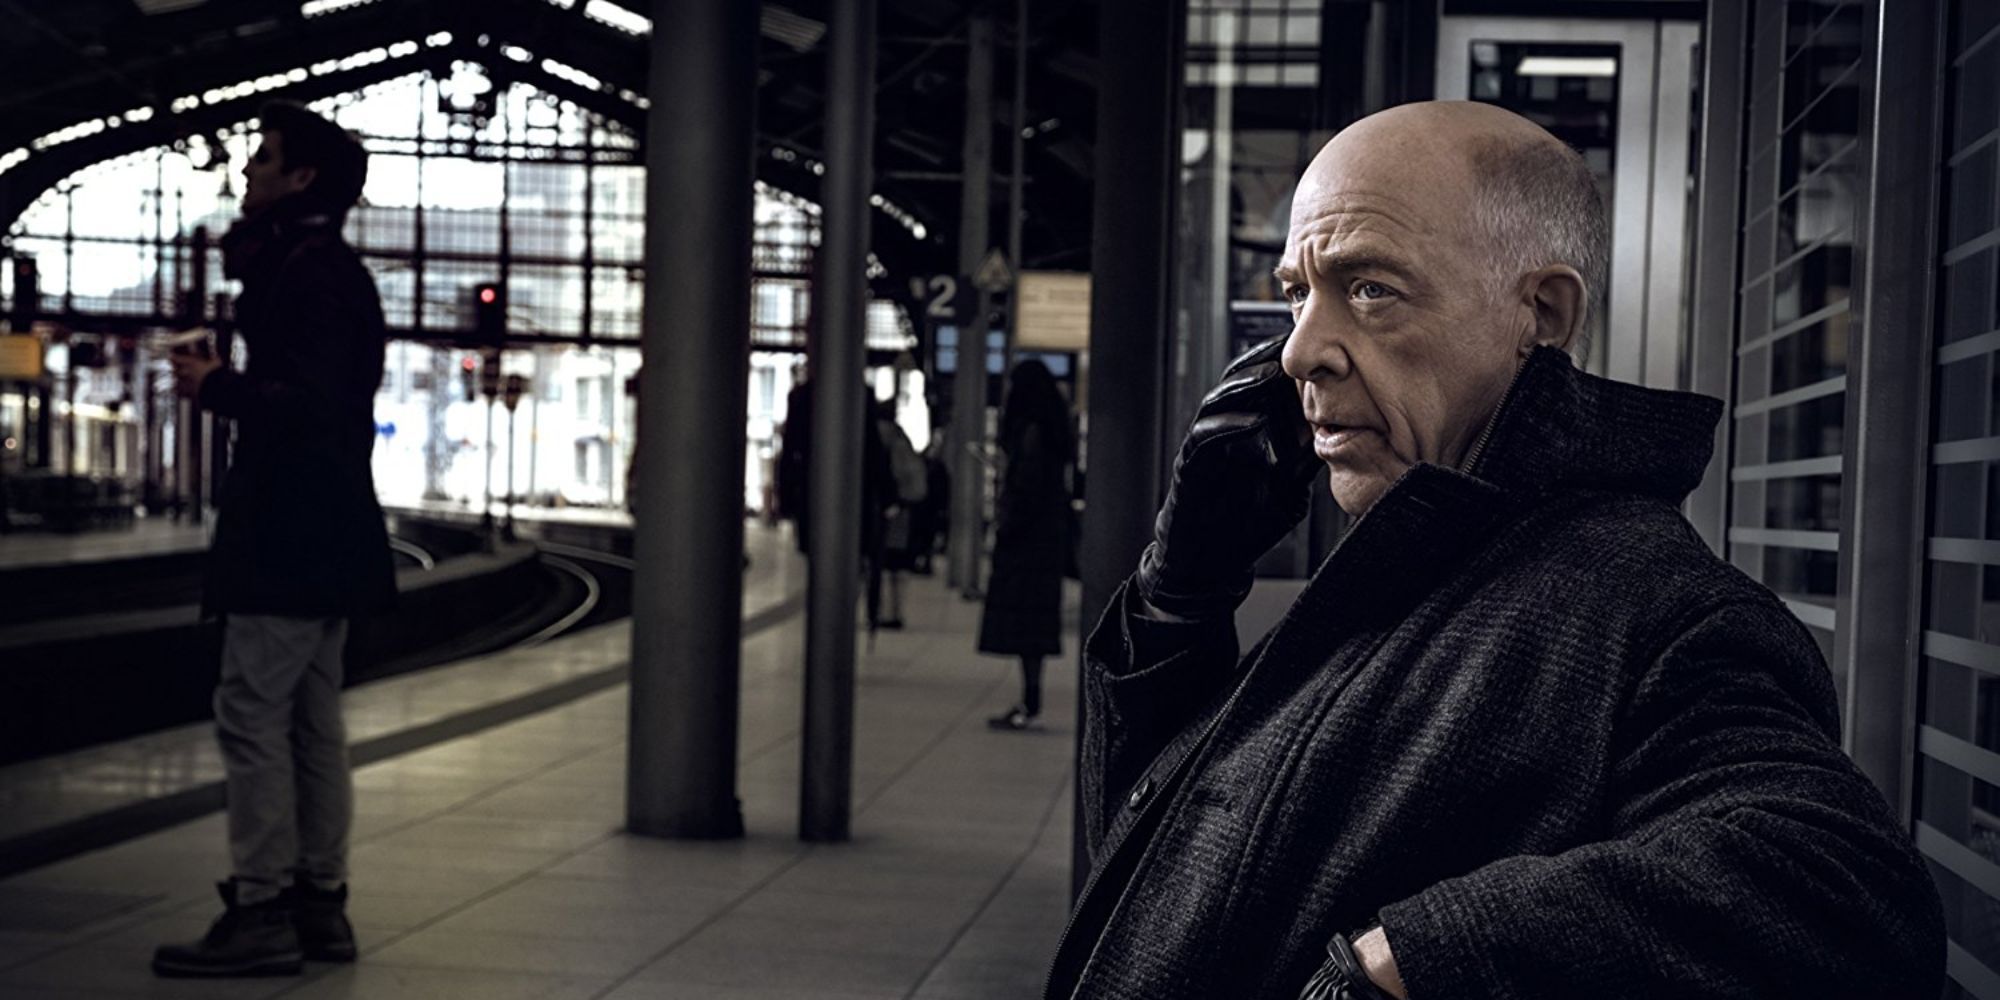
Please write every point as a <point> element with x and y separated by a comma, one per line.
<point>1479,443</point>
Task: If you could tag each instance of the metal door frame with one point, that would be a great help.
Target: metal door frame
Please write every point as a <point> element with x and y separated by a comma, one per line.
<point>1648,218</point>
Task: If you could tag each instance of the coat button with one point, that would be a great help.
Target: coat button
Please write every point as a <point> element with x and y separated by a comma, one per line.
<point>1139,793</point>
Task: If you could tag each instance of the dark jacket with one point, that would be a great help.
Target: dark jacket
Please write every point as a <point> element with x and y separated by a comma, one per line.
<point>1525,719</point>
<point>795,462</point>
<point>1023,610</point>
<point>300,532</point>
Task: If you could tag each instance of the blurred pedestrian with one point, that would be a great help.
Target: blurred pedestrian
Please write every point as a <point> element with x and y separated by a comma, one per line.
<point>932,517</point>
<point>300,548</point>
<point>907,489</point>
<point>878,497</point>
<point>1023,613</point>
<point>795,460</point>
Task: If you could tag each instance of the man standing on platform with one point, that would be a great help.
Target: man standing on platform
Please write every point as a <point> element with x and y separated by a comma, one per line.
<point>1523,734</point>
<point>299,548</point>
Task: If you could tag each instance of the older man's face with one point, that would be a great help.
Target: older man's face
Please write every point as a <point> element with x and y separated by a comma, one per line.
<point>1400,348</point>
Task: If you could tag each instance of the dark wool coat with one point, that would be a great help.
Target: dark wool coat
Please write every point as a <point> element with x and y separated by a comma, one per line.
<point>300,532</point>
<point>1522,717</point>
<point>1023,610</point>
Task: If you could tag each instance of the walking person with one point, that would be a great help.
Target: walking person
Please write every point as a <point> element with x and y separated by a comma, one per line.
<point>878,498</point>
<point>1023,612</point>
<point>795,461</point>
<point>908,488</point>
<point>300,548</point>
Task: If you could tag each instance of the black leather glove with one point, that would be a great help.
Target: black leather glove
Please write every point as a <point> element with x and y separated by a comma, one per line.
<point>1240,483</point>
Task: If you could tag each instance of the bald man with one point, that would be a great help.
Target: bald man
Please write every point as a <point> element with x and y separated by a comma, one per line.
<point>1523,734</point>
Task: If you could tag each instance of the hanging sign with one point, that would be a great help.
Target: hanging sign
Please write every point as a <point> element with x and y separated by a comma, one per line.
<point>1054,311</point>
<point>994,275</point>
<point>20,357</point>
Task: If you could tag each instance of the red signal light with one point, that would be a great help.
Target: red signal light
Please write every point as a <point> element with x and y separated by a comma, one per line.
<point>487,294</point>
<point>468,364</point>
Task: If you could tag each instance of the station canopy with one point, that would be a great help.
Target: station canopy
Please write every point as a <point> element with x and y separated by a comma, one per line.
<point>94,80</point>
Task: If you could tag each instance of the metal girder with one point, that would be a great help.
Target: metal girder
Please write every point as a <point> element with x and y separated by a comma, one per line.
<point>895,247</point>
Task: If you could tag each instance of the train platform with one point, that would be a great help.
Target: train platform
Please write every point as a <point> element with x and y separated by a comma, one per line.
<point>492,863</point>
<point>54,805</point>
<point>157,536</point>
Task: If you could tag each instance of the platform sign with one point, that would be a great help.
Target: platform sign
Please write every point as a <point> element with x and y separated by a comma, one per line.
<point>940,295</point>
<point>1054,311</point>
<point>994,275</point>
<point>20,357</point>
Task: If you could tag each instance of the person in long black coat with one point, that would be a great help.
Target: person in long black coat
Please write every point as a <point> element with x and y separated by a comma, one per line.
<point>1523,735</point>
<point>1023,612</point>
<point>300,548</point>
<point>795,463</point>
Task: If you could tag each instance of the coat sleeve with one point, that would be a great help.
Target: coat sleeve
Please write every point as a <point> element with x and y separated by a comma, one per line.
<point>1748,857</point>
<point>305,389</point>
<point>1146,677</point>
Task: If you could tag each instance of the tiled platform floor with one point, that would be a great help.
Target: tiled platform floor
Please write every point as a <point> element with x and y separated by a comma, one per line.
<point>494,866</point>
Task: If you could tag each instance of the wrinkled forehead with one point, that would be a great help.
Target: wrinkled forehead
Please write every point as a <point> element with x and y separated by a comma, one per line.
<point>1415,187</point>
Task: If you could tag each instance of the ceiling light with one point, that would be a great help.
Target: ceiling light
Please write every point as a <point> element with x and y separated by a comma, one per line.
<point>1567,66</point>
<point>314,8</point>
<point>618,17</point>
<point>790,27</point>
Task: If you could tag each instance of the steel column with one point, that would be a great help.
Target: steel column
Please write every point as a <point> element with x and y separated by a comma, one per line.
<point>1017,212</point>
<point>1131,257</point>
<point>839,421</point>
<point>968,423</point>
<point>688,542</point>
<point>1711,348</point>
<point>1882,515</point>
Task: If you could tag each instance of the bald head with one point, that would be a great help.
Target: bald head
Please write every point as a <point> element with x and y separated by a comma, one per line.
<point>1522,195</point>
<point>1432,248</point>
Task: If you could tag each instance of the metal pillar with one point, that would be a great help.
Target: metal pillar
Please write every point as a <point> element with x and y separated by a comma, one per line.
<point>1882,518</point>
<point>1712,304</point>
<point>1131,256</point>
<point>1017,212</point>
<point>839,421</point>
<point>968,422</point>
<point>688,539</point>
<point>507,527</point>
<point>486,480</point>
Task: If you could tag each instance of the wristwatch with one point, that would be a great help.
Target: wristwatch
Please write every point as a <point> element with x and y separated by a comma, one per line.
<point>1341,977</point>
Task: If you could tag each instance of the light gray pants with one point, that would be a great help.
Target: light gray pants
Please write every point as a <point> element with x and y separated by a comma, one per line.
<point>284,748</point>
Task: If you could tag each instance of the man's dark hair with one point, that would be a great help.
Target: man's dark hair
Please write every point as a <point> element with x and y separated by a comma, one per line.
<point>312,141</point>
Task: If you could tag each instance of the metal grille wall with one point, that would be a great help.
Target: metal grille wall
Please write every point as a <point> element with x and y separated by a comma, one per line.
<point>1958,736</point>
<point>1803,180</point>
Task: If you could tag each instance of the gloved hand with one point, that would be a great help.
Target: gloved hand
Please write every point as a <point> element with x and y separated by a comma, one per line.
<point>1240,483</point>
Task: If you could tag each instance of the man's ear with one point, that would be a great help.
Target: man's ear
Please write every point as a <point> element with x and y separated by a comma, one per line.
<point>1556,296</point>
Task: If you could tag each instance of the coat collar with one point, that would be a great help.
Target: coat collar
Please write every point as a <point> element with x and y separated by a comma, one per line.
<point>1558,430</point>
<point>256,245</point>
<point>1563,429</point>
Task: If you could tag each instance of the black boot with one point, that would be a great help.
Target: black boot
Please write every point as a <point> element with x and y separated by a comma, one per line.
<point>321,918</point>
<point>247,940</point>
